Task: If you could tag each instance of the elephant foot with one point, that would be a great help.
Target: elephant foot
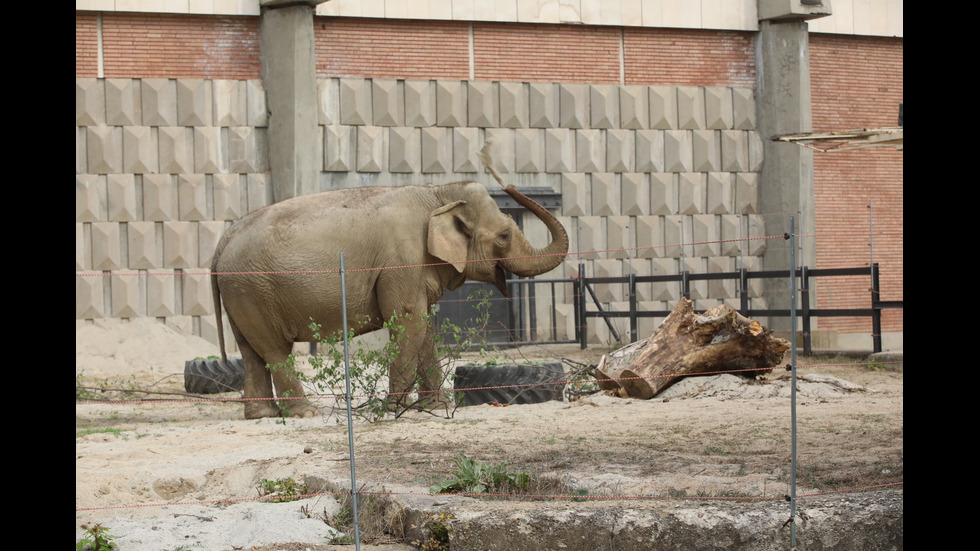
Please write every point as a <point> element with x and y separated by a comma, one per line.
<point>299,409</point>
<point>258,410</point>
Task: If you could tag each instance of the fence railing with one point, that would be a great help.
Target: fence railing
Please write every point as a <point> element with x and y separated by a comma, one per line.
<point>584,291</point>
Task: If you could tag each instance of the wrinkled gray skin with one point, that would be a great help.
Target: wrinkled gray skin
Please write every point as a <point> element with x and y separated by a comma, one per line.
<point>430,239</point>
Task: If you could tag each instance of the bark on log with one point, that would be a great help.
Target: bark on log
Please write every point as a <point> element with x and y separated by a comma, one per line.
<point>687,343</point>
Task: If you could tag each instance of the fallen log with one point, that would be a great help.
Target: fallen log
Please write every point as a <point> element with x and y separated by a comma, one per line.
<point>687,343</point>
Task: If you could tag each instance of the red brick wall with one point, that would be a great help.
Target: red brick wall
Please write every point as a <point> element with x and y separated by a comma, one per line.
<point>857,82</point>
<point>373,48</point>
<point>689,57</point>
<point>546,53</point>
<point>169,46</point>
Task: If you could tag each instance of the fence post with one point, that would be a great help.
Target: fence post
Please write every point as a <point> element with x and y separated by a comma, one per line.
<point>580,328</point>
<point>633,321</point>
<point>350,422</point>
<point>875,309</point>
<point>805,306</point>
<point>792,321</point>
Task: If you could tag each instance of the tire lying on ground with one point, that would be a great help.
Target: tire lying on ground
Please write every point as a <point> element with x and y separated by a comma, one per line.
<point>213,376</point>
<point>508,384</point>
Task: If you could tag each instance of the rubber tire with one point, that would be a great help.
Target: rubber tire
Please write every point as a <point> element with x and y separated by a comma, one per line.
<point>214,376</point>
<point>509,384</point>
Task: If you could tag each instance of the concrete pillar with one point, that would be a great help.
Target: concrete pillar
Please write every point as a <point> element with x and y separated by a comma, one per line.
<point>289,79</point>
<point>783,107</point>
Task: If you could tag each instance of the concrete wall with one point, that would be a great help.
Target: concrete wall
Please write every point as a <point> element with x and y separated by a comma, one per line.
<point>164,165</point>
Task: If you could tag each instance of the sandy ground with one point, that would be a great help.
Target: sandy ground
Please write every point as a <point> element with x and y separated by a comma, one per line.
<point>179,474</point>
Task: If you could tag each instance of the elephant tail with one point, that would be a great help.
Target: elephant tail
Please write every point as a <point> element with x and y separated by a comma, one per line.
<point>216,296</point>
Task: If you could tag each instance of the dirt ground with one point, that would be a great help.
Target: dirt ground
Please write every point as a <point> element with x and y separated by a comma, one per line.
<point>159,473</point>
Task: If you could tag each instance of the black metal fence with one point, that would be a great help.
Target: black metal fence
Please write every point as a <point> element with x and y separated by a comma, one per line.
<point>584,291</point>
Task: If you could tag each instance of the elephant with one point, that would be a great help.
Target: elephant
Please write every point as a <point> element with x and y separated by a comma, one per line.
<point>277,268</point>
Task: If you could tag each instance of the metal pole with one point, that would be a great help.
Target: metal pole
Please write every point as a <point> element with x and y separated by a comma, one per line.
<point>792,317</point>
<point>350,421</point>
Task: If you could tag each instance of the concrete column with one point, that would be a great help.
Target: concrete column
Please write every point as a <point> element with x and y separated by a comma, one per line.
<point>783,107</point>
<point>289,79</point>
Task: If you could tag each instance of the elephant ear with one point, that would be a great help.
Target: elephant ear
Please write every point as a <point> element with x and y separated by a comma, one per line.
<point>447,241</point>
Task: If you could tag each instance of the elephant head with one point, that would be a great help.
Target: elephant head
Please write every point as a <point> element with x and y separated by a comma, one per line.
<point>481,242</point>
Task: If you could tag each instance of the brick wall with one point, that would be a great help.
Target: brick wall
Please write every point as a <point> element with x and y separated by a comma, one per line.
<point>689,57</point>
<point>857,82</point>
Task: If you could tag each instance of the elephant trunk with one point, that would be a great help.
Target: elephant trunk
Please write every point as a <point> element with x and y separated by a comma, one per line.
<point>526,260</point>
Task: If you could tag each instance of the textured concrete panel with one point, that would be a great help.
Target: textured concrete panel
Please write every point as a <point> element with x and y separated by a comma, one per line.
<point>208,234</point>
<point>691,192</point>
<point>139,150</point>
<point>674,236</point>
<point>663,193</point>
<point>194,102</point>
<point>124,295</point>
<point>257,112</point>
<point>451,103</point>
<point>196,295</point>
<point>81,156</point>
<point>609,292</point>
<point>89,102</point>
<point>690,107</point>
<point>420,103</point>
<point>90,198</point>
<point>192,197</point>
<point>576,199</point>
<point>258,191</point>
<point>543,104</point>
<point>620,147</point>
<point>328,101</point>
<point>573,105</point>
<point>180,244</point>
<point>482,103</point>
<point>756,229</point>
<point>466,144</point>
<point>161,294</point>
<point>590,151</point>
<point>227,196</point>
<point>669,291</point>
<point>81,247</point>
<point>559,146</point>
<point>743,108</point>
<point>388,102</point>
<point>746,193</point>
<point>706,235</point>
<point>122,102</point>
<point>706,150</point>
<point>143,250</point>
<point>591,237</point>
<point>529,150</point>
<point>437,150</point>
<point>731,234</point>
<point>370,149</point>
<point>404,149</point>
<point>734,150</point>
<point>355,102</point>
<point>663,107</point>
<point>104,147</point>
<point>210,151</point>
<point>159,197</point>
<point>699,289</point>
<point>513,104</point>
<point>649,150</point>
<point>176,149</point>
<point>678,151</point>
<point>106,250</point>
<point>755,152</point>
<point>158,97</point>
<point>247,149</point>
<point>121,203</point>
<point>634,107</point>
<point>604,106</point>
<point>606,197</point>
<point>339,145</point>
<point>619,239</point>
<point>721,193</point>
<point>649,237</point>
<point>635,193</point>
<point>503,148</point>
<point>718,108</point>
<point>89,295</point>
<point>230,102</point>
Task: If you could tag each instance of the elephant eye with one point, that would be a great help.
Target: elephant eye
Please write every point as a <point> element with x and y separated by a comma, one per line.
<point>504,237</point>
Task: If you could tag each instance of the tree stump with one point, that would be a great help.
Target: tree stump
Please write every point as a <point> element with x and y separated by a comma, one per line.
<point>687,343</point>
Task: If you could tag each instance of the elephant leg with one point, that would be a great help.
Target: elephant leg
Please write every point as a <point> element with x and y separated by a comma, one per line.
<point>290,391</point>
<point>259,397</point>
<point>429,373</point>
